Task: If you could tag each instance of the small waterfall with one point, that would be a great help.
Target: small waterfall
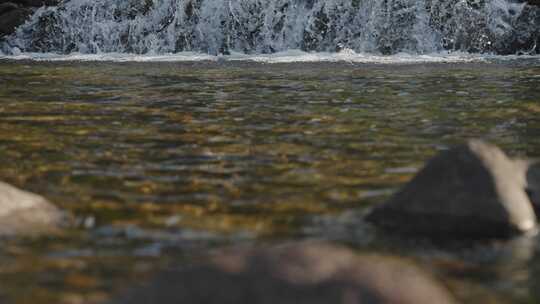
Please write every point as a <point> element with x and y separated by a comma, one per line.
<point>267,26</point>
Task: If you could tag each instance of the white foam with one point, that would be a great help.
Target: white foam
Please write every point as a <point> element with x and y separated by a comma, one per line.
<point>112,57</point>
<point>353,57</point>
<point>290,56</point>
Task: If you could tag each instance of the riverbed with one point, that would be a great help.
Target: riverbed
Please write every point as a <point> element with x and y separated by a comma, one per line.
<point>158,160</point>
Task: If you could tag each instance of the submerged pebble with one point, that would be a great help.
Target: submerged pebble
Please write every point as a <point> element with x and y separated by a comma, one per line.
<point>473,191</point>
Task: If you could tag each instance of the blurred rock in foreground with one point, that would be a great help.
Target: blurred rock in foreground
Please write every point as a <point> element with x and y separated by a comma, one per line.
<point>471,191</point>
<point>25,213</point>
<point>302,273</point>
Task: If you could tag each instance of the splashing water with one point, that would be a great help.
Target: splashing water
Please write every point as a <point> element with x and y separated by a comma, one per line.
<point>268,26</point>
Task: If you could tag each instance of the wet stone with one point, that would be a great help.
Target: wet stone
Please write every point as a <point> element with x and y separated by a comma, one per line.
<point>14,13</point>
<point>7,6</point>
<point>25,213</point>
<point>301,273</point>
<point>33,3</point>
<point>11,18</point>
<point>470,191</point>
<point>533,184</point>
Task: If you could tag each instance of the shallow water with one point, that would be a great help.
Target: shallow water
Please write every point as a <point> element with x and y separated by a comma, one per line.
<point>160,159</point>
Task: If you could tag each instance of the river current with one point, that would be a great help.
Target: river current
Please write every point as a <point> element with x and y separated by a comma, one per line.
<point>160,159</point>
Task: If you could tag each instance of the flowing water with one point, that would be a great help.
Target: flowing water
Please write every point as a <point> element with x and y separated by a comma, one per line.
<point>174,126</point>
<point>268,26</point>
<point>158,160</point>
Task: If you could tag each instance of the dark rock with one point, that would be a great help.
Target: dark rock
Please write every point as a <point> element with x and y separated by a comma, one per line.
<point>534,2</point>
<point>35,3</point>
<point>533,184</point>
<point>11,19</point>
<point>14,13</point>
<point>471,191</point>
<point>7,6</point>
<point>524,37</point>
<point>305,273</point>
<point>25,213</point>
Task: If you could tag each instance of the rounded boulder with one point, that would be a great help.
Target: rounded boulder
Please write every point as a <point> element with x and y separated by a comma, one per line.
<point>470,191</point>
<point>25,213</point>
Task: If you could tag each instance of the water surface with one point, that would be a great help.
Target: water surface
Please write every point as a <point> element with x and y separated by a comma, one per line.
<point>160,159</point>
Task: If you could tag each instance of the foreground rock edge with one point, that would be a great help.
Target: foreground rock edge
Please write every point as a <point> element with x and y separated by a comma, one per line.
<point>306,272</point>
